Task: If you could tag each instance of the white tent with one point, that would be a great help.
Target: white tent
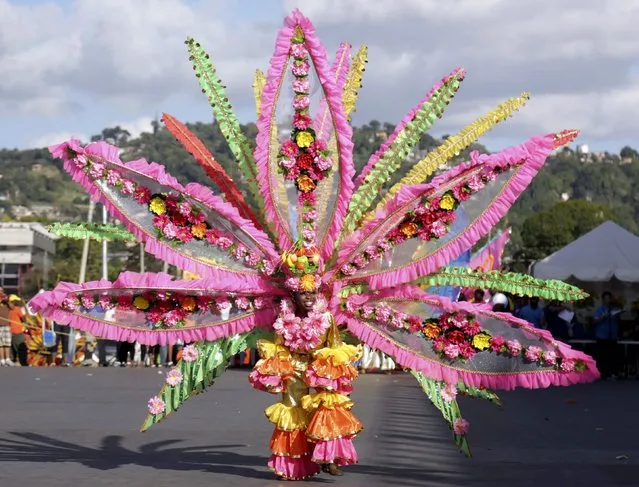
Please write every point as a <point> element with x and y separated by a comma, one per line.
<point>608,252</point>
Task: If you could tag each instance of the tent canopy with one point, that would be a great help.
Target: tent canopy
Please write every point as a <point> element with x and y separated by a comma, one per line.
<point>603,253</point>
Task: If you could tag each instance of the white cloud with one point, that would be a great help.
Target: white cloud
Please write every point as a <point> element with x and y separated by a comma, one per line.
<point>575,56</point>
<point>53,138</point>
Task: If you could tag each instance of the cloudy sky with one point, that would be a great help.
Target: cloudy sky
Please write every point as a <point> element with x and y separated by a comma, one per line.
<point>73,67</point>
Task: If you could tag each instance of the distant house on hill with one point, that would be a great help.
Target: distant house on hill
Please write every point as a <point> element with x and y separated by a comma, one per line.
<point>23,246</point>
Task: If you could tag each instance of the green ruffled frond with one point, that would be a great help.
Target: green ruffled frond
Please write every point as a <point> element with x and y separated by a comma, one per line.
<point>450,410</point>
<point>476,392</point>
<point>92,231</point>
<point>509,282</point>
<point>392,158</point>
<point>229,124</point>
<point>212,360</point>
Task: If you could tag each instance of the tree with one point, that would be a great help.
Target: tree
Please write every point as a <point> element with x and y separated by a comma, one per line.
<point>629,152</point>
<point>548,231</point>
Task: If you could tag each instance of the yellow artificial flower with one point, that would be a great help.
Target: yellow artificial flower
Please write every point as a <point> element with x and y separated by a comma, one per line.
<point>304,139</point>
<point>447,202</point>
<point>141,303</point>
<point>307,283</point>
<point>157,206</point>
<point>199,230</point>
<point>481,341</point>
<point>305,184</point>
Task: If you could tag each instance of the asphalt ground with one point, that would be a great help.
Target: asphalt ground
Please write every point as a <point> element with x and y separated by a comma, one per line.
<point>77,427</point>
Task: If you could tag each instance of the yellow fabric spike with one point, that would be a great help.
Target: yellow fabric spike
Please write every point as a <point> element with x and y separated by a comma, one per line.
<point>354,81</point>
<point>258,85</point>
<point>453,145</point>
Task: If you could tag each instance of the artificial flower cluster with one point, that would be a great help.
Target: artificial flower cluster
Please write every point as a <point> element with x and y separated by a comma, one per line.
<point>164,309</point>
<point>459,336</point>
<point>176,220</point>
<point>302,335</point>
<point>431,220</point>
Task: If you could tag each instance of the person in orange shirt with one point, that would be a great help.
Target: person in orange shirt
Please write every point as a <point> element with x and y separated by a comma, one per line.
<point>16,317</point>
<point>5,331</point>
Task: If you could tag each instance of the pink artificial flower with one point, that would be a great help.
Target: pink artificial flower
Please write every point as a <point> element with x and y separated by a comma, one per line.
<point>292,173</point>
<point>105,302</point>
<point>550,357</point>
<point>460,193</point>
<point>397,321</point>
<point>475,183</point>
<point>190,353</point>
<point>451,351</point>
<point>299,51</point>
<point>184,234</point>
<point>70,303</point>
<point>204,303</point>
<point>371,252</point>
<point>351,305</point>
<point>308,234</point>
<point>172,318</point>
<point>223,304</point>
<point>128,186</point>
<point>293,283</point>
<point>301,86</point>
<point>301,102</point>
<point>323,163</point>
<point>348,270</point>
<point>458,320</point>
<point>359,261</point>
<point>184,208</point>
<point>449,392</point>
<point>97,169</point>
<point>460,426</point>
<point>196,218</point>
<point>414,324</point>
<point>368,311</point>
<point>383,314</point>
<point>307,198</point>
<point>301,121</point>
<point>421,210</point>
<point>66,150</point>
<point>252,258</point>
<point>125,301</point>
<point>161,221</point>
<point>301,68</point>
<point>224,243</point>
<point>81,161</point>
<point>174,377</point>
<point>113,177</point>
<point>472,328</point>
<point>156,405</point>
<point>287,162</point>
<point>242,302</point>
<point>317,147</point>
<point>489,175</point>
<point>438,229</point>
<point>170,230</point>
<point>289,149</point>
<point>532,353</point>
<point>310,216</point>
<point>383,245</point>
<point>87,301</point>
<point>514,347</point>
<point>439,344</point>
<point>567,365</point>
<point>240,251</point>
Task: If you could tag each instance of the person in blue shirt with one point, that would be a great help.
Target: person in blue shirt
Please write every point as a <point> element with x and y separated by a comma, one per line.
<point>606,333</point>
<point>533,313</point>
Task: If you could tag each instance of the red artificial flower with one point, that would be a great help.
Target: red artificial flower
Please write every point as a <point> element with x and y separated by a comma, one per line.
<point>178,219</point>
<point>457,337</point>
<point>304,161</point>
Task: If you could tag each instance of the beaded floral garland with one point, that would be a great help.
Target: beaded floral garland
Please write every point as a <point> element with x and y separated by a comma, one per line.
<point>176,220</point>
<point>163,309</point>
<point>459,336</point>
<point>431,220</point>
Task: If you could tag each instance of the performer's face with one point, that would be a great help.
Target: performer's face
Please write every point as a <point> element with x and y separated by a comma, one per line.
<point>306,301</point>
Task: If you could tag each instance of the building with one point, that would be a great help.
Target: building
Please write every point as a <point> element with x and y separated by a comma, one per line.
<point>23,246</point>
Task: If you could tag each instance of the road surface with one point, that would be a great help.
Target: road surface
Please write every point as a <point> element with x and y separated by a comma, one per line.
<point>76,427</point>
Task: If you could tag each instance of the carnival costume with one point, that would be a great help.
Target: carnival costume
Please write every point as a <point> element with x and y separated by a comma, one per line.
<point>363,246</point>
